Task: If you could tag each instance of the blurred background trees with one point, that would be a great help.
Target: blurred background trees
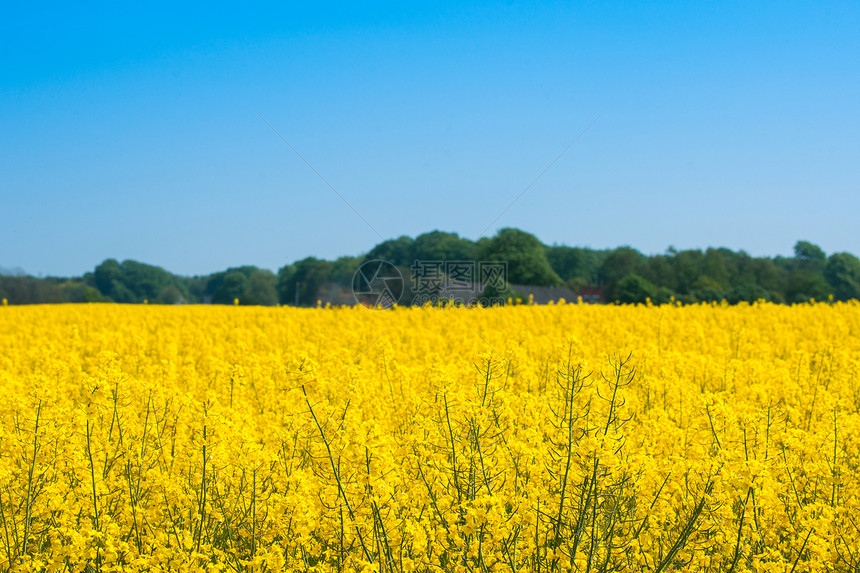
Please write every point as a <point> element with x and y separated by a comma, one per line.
<point>622,274</point>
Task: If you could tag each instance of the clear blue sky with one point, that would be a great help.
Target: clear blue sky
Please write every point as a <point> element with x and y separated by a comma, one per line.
<point>131,131</point>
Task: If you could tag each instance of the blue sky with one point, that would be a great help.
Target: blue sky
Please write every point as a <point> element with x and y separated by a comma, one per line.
<point>133,131</point>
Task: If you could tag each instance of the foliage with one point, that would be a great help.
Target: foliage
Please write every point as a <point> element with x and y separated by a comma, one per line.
<point>689,276</point>
<point>572,263</point>
<point>306,276</point>
<point>525,257</point>
<point>247,284</point>
<point>134,282</point>
<point>809,256</point>
<point>632,289</point>
<point>440,246</point>
<point>620,263</point>
<point>843,274</point>
<point>232,285</point>
<point>260,289</point>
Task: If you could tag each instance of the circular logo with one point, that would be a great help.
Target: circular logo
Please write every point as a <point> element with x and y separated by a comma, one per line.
<point>377,284</point>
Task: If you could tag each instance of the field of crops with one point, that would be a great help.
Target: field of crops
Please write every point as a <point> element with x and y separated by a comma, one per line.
<point>525,438</point>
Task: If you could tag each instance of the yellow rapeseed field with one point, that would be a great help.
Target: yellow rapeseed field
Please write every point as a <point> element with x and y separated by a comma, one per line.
<point>523,438</point>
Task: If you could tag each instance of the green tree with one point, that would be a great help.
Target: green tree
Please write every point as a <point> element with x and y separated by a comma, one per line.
<point>742,269</point>
<point>633,289</point>
<point>525,257</point>
<point>714,268</point>
<point>575,262</point>
<point>802,285</point>
<point>843,275</point>
<point>769,277</point>
<point>232,287</point>
<point>308,275</point>
<point>131,281</point>
<point>170,294</point>
<point>397,251</point>
<point>707,294</point>
<point>661,271</point>
<point>663,295</point>
<point>196,287</point>
<point>621,262</point>
<point>442,246</point>
<point>285,278</point>
<point>77,291</point>
<point>574,284</point>
<point>261,288</point>
<point>809,257</point>
<point>145,281</point>
<point>225,295</point>
<point>688,265</point>
<point>343,270</point>
<point>748,293</point>
<point>120,293</point>
<point>106,275</point>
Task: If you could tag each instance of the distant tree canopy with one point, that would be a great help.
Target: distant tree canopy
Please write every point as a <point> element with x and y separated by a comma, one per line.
<point>24,289</point>
<point>307,276</point>
<point>624,274</point>
<point>525,256</point>
<point>432,246</point>
<point>842,274</point>
<point>577,266</point>
<point>134,282</point>
<point>247,284</point>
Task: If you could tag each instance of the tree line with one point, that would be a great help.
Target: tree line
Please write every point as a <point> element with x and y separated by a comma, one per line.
<point>622,274</point>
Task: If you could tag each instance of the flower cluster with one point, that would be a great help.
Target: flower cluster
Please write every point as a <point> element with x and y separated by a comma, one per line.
<point>524,438</point>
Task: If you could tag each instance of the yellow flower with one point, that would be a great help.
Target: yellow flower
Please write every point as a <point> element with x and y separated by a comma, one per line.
<point>151,438</point>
